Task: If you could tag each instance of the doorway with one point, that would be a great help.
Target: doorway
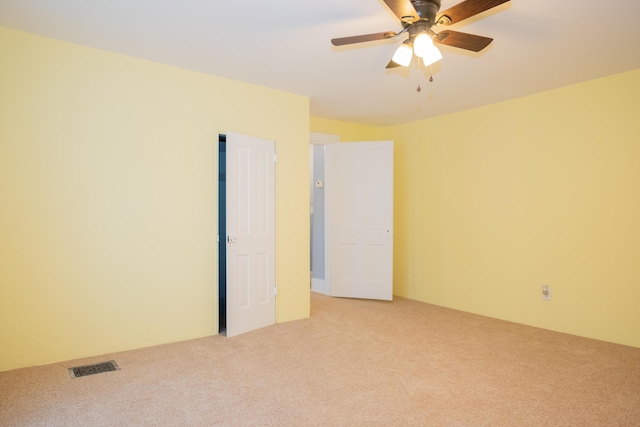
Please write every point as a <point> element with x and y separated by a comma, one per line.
<point>351,217</point>
<point>318,141</point>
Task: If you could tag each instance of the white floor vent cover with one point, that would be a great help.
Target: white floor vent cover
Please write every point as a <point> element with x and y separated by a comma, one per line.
<point>83,371</point>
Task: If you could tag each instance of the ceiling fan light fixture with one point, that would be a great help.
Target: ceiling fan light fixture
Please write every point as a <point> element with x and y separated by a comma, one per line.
<point>403,54</point>
<point>422,44</point>
<point>432,56</point>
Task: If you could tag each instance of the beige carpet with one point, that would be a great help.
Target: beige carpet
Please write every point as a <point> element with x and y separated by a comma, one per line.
<point>353,363</point>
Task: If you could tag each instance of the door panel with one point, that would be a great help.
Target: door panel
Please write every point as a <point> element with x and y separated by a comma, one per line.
<point>251,233</point>
<point>359,212</point>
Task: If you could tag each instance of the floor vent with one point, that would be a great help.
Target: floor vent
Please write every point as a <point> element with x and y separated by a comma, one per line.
<point>98,368</point>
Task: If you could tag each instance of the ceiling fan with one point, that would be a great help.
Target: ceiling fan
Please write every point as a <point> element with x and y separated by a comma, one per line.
<point>418,18</point>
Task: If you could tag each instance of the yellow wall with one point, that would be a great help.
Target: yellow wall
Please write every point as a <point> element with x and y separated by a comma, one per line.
<point>346,130</point>
<point>108,192</point>
<point>492,203</point>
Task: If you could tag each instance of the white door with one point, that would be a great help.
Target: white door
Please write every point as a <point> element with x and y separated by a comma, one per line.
<point>359,218</point>
<point>251,245</point>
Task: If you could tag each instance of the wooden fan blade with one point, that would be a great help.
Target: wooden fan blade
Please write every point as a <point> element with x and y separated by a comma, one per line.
<point>402,9</point>
<point>462,40</point>
<point>467,9</point>
<point>363,38</point>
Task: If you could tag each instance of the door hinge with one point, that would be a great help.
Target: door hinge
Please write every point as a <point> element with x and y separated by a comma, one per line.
<point>275,158</point>
<point>275,291</point>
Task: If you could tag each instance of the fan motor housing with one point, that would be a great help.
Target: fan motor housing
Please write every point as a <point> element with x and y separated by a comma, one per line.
<point>427,9</point>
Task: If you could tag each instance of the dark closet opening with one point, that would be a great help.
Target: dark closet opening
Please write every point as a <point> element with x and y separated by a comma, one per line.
<point>222,233</point>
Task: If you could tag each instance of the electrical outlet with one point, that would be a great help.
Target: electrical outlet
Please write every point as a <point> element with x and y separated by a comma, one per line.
<point>546,292</point>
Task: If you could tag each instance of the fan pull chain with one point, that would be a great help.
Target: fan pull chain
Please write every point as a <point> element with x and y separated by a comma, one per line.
<point>419,89</point>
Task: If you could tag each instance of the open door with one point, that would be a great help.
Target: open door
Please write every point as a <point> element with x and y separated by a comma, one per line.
<point>359,219</point>
<point>251,249</point>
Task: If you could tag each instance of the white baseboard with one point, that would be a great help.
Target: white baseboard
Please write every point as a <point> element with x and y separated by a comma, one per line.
<point>319,285</point>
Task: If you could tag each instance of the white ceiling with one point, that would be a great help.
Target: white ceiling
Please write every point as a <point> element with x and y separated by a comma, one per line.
<point>285,44</point>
